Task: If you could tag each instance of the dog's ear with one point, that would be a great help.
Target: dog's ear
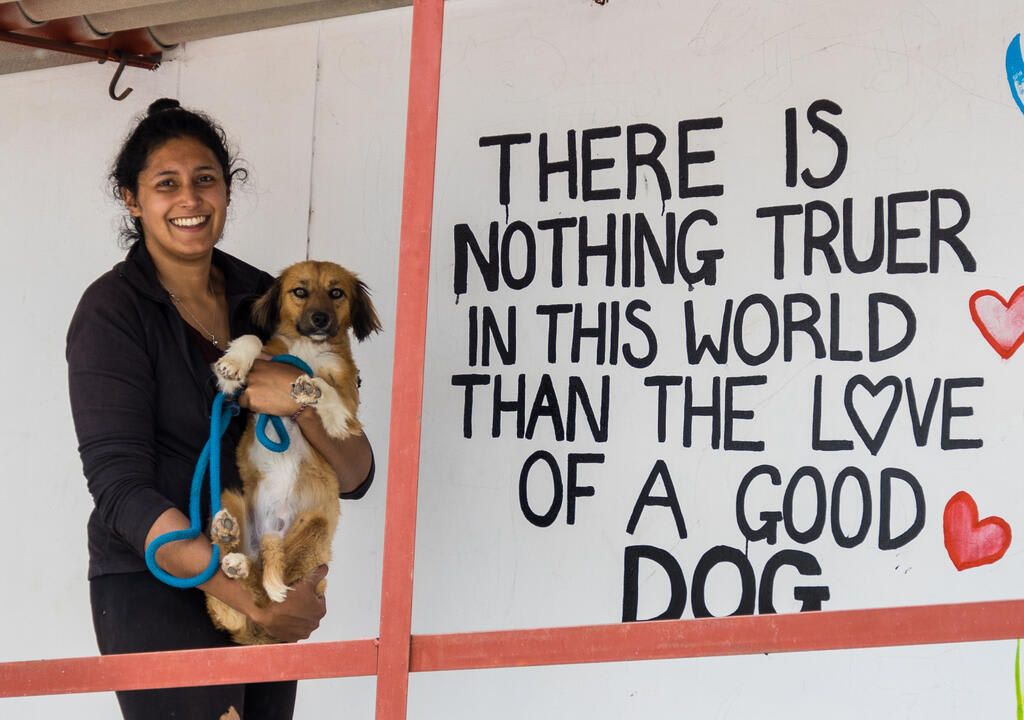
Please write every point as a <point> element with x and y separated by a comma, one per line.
<point>364,315</point>
<point>266,312</point>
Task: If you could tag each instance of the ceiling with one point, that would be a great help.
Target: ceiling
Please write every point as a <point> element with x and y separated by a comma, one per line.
<point>35,33</point>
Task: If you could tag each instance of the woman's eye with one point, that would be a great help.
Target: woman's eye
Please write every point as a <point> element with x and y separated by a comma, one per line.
<point>336,293</point>
<point>300,292</point>
<point>165,184</point>
<point>206,179</point>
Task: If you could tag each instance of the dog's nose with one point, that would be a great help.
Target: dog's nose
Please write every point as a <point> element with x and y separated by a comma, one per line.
<point>320,319</point>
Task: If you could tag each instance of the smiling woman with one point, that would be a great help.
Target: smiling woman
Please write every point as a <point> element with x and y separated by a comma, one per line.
<point>139,350</point>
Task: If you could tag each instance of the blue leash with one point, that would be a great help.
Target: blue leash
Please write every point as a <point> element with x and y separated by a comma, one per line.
<point>220,417</point>
<point>278,424</point>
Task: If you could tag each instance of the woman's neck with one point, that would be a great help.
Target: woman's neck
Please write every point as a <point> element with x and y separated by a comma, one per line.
<point>192,279</point>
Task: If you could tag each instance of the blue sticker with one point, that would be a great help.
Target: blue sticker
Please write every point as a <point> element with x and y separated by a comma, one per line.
<point>1015,71</point>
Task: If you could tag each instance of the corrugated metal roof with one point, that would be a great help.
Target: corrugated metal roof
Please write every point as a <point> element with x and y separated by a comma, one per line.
<point>144,29</point>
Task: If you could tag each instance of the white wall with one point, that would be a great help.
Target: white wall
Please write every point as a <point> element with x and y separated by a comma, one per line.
<point>318,113</point>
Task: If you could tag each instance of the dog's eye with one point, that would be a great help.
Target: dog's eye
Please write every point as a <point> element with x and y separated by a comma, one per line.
<point>336,293</point>
<point>299,292</point>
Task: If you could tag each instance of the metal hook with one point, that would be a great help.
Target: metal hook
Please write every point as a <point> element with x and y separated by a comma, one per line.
<point>122,59</point>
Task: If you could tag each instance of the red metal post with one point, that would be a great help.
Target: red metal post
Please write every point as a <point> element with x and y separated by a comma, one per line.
<point>407,381</point>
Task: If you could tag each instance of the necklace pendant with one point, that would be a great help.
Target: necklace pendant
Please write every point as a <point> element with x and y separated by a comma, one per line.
<point>181,303</point>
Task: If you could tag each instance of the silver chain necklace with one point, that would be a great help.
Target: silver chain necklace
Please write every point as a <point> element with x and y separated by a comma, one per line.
<point>183,306</point>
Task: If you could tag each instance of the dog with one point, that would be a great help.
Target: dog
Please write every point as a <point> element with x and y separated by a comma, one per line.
<point>280,527</point>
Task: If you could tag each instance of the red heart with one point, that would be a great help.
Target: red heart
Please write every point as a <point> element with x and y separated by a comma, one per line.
<point>971,542</point>
<point>1000,322</point>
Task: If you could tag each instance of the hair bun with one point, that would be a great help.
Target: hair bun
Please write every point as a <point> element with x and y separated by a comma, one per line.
<point>162,104</point>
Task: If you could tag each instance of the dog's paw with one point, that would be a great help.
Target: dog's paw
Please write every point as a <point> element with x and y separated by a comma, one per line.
<point>305,390</point>
<point>276,591</point>
<point>224,528</point>
<point>231,373</point>
<point>228,368</point>
<point>235,364</point>
<point>235,566</point>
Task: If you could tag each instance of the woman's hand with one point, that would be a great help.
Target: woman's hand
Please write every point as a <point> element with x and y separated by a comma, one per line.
<point>301,612</point>
<point>268,388</point>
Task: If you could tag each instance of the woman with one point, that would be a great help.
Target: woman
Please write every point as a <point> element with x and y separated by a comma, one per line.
<point>139,351</point>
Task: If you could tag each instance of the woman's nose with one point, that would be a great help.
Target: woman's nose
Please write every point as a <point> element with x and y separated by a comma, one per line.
<point>188,196</point>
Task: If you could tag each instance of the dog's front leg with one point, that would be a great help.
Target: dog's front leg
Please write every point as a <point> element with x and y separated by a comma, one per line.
<point>339,420</point>
<point>235,364</point>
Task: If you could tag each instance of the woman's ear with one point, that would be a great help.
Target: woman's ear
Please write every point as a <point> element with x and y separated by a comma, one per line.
<point>266,312</point>
<point>130,202</point>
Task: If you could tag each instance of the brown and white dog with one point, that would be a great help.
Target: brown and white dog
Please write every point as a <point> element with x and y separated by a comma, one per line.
<point>279,528</point>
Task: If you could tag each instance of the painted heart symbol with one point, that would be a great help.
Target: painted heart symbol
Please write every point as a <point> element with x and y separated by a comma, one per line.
<point>1001,322</point>
<point>873,442</point>
<point>971,542</point>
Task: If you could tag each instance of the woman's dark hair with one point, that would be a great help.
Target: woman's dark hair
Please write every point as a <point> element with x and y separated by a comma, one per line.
<point>165,120</point>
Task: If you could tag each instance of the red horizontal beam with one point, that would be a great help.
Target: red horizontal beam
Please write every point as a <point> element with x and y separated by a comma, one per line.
<point>830,630</point>
<point>659,640</point>
<point>217,666</point>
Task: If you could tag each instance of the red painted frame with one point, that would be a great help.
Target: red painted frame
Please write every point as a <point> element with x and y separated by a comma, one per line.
<point>397,652</point>
<point>830,630</point>
<point>410,344</point>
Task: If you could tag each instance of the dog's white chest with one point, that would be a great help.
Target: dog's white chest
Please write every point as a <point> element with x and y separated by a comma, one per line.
<point>321,358</point>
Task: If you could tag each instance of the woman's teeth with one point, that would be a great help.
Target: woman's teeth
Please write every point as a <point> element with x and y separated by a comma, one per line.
<point>190,221</point>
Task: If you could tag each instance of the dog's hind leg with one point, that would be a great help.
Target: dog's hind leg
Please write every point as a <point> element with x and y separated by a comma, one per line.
<point>307,547</point>
<point>227,531</point>
<point>272,558</point>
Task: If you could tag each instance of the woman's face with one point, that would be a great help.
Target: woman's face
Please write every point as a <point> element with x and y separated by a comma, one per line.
<point>182,200</point>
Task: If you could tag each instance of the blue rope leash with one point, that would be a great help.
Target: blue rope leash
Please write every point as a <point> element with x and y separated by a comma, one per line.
<point>283,441</point>
<point>220,416</point>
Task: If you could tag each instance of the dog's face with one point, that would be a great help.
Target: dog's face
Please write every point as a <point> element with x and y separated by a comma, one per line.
<point>318,300</point>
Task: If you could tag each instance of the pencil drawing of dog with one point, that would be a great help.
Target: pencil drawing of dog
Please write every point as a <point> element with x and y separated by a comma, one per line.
<point>279,528</point>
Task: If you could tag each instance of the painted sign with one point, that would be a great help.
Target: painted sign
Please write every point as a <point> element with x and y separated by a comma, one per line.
<point>724,352</point>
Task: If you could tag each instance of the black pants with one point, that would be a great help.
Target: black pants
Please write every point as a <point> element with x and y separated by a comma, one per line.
<point>135,612</point>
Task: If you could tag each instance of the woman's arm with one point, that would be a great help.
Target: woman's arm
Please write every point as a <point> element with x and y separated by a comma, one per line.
<point>294,619</point>
<point>350,458</point>
<point>113,394</point>
<point>268,390</point>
